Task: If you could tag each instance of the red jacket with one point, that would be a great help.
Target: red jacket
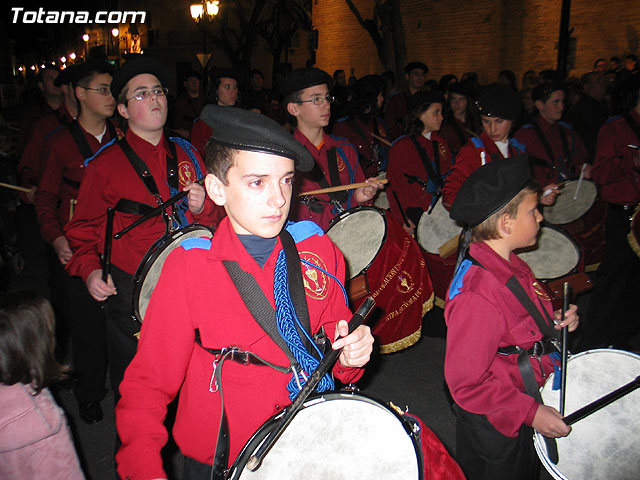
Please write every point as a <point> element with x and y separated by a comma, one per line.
<point>548,170</point>
<point>349,172</point>
<point>404,160</point>
<point>613,167</point>
<point>186,110</point>
<point>481,317</point>
<point>371,152</point>
<point>109,178</point>
<point>200,134</point>
<point>195,291</point>
<point>469,159</point>
<point>456,133</point>
<point>395,113</point>
<point>63,172</point>
<point>33,158</point>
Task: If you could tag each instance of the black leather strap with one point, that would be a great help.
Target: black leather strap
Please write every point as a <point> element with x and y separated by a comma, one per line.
<point>140,167</point>
<point>544,324</point>
<point>334,176</point>
<point>432,173</point>
<point>80,140</point>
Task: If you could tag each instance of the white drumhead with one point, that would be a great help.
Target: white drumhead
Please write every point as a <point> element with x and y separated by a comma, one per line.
<point>606,444</point>
<point>436,228</point>
<point>150,279</point>
<point>358,234</point>
<point>381,201</point>
<point>553,256</point>
<point>341,438</point>
<point>566,209</point>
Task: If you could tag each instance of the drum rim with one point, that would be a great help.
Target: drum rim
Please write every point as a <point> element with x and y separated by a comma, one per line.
<point>155,250</point>
<point>263,429</point>
<point>595,199</point>
<point>417,231</point>
<point>551,467</point>
<point>577,246</point>
<point>354,210</point>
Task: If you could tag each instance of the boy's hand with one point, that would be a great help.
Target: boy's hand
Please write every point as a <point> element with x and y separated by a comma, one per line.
<point>196,197</point>
<point>571,318</point>
<point>364,194</point>
<point>549,423</point>
<point>549,195</point>
<point>98,289</point>
<point>358,345</point>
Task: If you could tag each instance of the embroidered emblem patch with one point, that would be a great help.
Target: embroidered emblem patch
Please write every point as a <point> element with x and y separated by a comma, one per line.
<point>316,282</point>
<point>443,150</point>
<point>186,173</point>
<point>340,163</point>
<point>405,282</point>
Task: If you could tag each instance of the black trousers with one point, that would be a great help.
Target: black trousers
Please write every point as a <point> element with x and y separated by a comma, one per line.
<point>612,316</point>
<point>121,328</point>
<point>194,470</point>
<point>483,453</point>
<point>85,321</point>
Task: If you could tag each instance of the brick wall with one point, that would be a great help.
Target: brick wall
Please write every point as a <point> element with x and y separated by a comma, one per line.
<point>455,36</point>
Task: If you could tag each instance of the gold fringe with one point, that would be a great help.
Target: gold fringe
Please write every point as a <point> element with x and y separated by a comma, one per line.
<point>439,302</point>
<point>402,343</point>
<point>593,267</point>
<point>428,305</point>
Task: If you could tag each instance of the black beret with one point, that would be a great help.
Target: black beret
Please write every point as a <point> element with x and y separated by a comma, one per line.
<point>304,78</point>
<point>191,74</point>
<point>91,66</point>
<point>420,98</point>
<point>498,100</point>
<point>65,76</point>
<point>460,88</point>
<point>489,188</point>
<point>245,130</point>
<point>368,87</point>
<point>137,66</point>
<point>544,89</point>
<point>415,65</point>
<point>221,72</point>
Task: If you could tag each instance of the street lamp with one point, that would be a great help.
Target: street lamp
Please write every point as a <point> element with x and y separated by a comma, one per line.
<point>210,8</point>
<point>85,38</point>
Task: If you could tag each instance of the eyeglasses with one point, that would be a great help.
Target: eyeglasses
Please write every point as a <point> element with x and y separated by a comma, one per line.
<point>319,100</point>
<point>146,94</point>
<point>104,91</point>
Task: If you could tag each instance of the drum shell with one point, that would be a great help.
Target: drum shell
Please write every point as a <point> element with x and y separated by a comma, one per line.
<point>634,232</point>
<point>589,233</point>
<point>158,253</point>
<point>603,445</point>
<point>398,279</point>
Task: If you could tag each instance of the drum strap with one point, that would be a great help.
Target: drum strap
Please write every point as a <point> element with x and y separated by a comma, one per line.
<point>458,131</point>
<point>432,168</point>
<point>547,147</point>
<point>373,141</point>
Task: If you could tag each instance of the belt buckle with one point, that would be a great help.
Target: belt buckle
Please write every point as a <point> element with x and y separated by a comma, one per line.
<point>240,356</point>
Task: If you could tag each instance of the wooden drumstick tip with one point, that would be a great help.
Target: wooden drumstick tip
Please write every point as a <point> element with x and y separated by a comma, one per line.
<point>253,463</point>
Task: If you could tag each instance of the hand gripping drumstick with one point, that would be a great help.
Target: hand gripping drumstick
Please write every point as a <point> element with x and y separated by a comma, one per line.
<point>325,364</point>
<point>340,188</point>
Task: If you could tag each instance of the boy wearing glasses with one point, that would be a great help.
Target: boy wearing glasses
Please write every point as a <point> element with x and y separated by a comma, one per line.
<point>307,100</point>
<point>132,175</point>
<point>55,201</point>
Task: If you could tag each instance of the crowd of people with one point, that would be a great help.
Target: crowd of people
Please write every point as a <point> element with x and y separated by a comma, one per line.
<point>262,286</point>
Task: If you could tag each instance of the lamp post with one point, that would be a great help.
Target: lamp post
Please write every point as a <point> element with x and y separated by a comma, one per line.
<point>204,10</point>
<point>85,37</point>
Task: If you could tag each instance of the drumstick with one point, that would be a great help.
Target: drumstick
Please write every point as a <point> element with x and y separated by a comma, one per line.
<point>106,256</point>
<point>565,353</point>
<point>15,187</point>
<point>326,363</point>
<point>72,204</point>
<point>381,140</point>
<point>602,402</point>
<point>635,147</point>
<point>448,247</point>
<point>404,215</point>
<point>575,195</point>
<point>157,210</point>
<point>340,188</point>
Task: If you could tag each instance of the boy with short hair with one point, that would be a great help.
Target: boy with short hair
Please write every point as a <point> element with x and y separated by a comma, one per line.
<point>250,163</point>
<point>490,330</point>
<point>307,100</point>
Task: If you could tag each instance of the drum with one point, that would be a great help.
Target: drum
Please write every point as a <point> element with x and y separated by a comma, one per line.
<point>148,272</point>
<point>385,262</point>
<point>572,203</point>
<point>436,228</point>
<point>603,445</point>
<point>583,218</point>
<point>337,436</point>
<point>634,232</point>
<point>555,254</point>
<point>381,201</point>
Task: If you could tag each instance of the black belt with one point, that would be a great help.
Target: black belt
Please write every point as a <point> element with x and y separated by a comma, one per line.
<point>539,348</point>
<point>623,208</point>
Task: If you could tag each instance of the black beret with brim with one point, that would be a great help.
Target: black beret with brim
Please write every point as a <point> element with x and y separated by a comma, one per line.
<point>420,98</point>
<point>87,68</point>
<point>138,66</point>
<point>498,100</point>
<point>220,72</point>
<point>245,130</point>
<point>304,78</point>
<point>65,76</point>
<point>489,188</point>
<point>544,89</point>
